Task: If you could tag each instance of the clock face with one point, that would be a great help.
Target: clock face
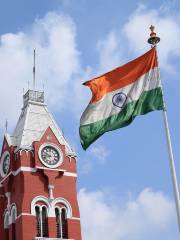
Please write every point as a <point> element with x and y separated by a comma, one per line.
<point>5,163</point>
<point>50,155</point>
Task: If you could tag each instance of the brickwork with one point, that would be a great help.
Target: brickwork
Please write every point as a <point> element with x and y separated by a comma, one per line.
<point>28,178</point>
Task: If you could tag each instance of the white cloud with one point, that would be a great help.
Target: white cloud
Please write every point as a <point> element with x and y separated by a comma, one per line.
<point>100,153</point>
<point>119,44</point>
<point>86,166</point>
<point>58,65</point>
<point>151,212</point>
<point>109,52</point>
<point>168,6</point>
<point>167,27</point>
<point>96,155</point>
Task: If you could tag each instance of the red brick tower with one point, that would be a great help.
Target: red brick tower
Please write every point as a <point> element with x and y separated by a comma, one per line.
<point>38,197</point>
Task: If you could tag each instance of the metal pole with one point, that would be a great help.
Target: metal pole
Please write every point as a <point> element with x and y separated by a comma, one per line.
<point>153,40</point>
<point>172,166</point>
<point>171,159</point>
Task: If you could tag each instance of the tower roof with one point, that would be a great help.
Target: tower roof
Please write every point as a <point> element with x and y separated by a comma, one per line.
<point>33,122</point>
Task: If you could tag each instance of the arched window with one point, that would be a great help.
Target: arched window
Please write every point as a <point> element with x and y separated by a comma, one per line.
<point>58,224</point>
<point>41,221</point>
<point>61,222</point>
<point>44,222</point>
<point>6,225</point>
<point>38,221</point>
<point>13,217</point>
<point>6,220</point>
<point>64,222</point>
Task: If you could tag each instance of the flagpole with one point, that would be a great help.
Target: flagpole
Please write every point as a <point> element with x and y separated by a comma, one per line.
<point>153,40</point>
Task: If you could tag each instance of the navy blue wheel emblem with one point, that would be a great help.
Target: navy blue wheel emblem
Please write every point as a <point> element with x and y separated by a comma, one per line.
<point>119,99</point>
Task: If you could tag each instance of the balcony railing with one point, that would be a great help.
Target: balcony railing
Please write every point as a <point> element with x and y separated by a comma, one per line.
<point>34,96</point>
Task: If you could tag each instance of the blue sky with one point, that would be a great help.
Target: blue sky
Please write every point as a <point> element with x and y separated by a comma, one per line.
<point>124,179</point>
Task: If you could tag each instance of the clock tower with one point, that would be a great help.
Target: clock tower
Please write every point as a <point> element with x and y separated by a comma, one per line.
<point>38,196</point>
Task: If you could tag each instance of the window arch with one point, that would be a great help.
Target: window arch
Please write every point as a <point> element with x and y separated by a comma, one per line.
<point>41,221</point>
<point>61,222</point>
<point>13,213</point>
<point>36,200</point>
<point>65,203</point>
<point>59,208</point>
<point>51,205</point>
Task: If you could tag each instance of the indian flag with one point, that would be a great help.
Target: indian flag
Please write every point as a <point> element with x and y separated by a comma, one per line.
<point>120,95</point>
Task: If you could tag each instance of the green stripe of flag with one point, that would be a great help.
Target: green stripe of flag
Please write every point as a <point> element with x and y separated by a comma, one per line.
<point>149,101</point>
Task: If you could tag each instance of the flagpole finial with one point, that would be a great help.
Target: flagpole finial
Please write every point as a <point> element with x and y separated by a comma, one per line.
<point>153,40</point>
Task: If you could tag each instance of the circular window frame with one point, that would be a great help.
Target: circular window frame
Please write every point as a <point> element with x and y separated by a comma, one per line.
<point>57,149</point>
<point>2,161</point>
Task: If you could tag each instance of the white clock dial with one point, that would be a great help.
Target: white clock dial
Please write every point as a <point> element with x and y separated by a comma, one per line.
<point>50,155</point>
<point>5,164</point>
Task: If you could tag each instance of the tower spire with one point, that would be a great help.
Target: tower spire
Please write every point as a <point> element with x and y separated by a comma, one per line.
<point>34,70</point>
<point>6,125</point>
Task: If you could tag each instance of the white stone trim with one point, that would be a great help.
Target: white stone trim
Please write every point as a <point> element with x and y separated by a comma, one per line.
<point>8,195</point>
<point>6,177</point>
<point>51,188</point>
<point>29,169</point>
<point>8,139</point>
<point>75,218</point>
<point>24,214</point>
<point>24,169</point>
<point>36,103</point>
<point>70,174</point>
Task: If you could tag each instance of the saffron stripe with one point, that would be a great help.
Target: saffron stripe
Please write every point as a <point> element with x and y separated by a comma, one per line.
<point>122,76</point>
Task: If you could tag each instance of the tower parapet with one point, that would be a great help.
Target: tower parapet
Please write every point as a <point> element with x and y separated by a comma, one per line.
<point>33,96</point>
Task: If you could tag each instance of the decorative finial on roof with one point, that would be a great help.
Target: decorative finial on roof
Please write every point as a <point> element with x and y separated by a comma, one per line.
<point>153,40</point>
<point>6,126</point>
